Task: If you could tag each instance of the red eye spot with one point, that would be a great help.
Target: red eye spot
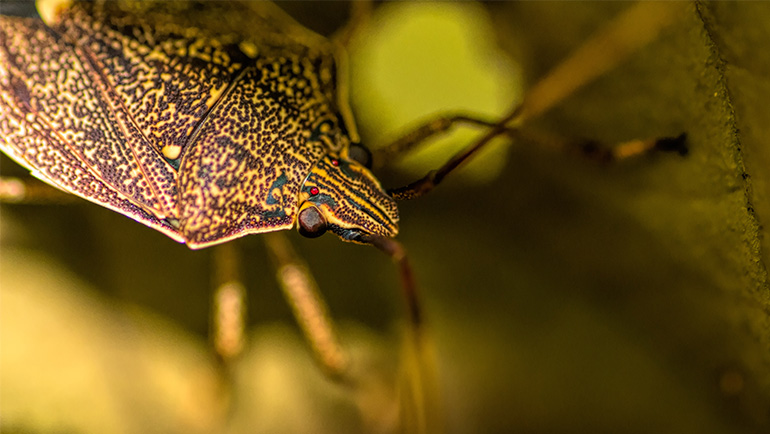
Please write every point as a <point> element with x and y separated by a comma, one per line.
<point>313,191</point>
<point>335,163</point>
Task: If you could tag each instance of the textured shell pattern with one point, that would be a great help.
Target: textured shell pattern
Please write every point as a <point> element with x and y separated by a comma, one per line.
<point>90,101</point>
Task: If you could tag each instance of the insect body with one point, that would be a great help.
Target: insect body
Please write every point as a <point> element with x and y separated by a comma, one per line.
<point>202,135</point>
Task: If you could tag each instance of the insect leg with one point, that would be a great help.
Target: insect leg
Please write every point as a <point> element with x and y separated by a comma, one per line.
<point>603,153</point>
<point>588,149</point>
<point>418,136</point>
<point>421,386</point>
<point>396,251</point>
<point>303,296</point>
<point>434,177</point>
<point>229,305</point>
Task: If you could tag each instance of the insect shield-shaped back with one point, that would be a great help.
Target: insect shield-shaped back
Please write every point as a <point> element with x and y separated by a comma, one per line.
<point>198,127</point>
<point>341,195</point>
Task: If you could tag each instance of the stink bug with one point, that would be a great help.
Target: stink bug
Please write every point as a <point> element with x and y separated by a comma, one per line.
<point>259,143</point>
<point>167,151</point>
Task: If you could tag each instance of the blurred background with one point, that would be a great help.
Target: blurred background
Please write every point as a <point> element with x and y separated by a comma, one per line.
<point>560,295</point>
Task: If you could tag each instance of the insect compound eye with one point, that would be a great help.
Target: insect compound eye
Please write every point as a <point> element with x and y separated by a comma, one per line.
<point>361,154</point>
<point>311,223</point>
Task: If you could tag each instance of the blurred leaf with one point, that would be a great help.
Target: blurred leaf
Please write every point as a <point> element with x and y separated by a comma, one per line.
<point>562,297</point>
<point>68,352</point>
